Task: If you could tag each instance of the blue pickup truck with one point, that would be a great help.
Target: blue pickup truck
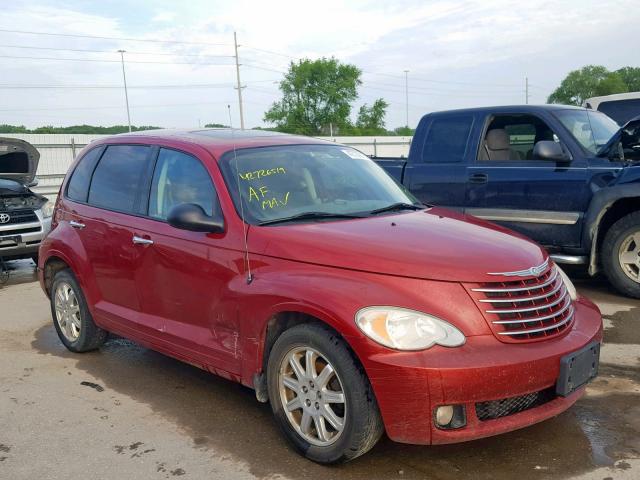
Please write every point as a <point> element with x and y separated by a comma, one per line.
<point>566,177</point>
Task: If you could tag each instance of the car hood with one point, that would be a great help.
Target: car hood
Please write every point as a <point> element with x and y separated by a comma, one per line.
<point>18,160</point>
<point>434,244</point>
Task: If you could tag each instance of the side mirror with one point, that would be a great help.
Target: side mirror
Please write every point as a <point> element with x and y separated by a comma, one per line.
<point>550,150</point>
<point>189,216</point>
<point>33,183</point>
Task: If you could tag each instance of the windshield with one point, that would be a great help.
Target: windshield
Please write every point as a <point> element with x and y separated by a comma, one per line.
<point>590,128</point>
<point>286,181</point>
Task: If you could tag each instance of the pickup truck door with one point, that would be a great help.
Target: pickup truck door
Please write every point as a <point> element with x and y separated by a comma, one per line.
<point>544,200</point>
<point>436,172</point>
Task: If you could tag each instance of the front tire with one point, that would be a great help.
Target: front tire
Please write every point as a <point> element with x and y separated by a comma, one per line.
<point>320,396</point>
<point>71,317</point>
<point>621,255</point>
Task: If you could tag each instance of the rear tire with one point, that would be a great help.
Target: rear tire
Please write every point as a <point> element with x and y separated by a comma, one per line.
<point>351,423</point>
<point>71,317</point>
<point>621,255</point>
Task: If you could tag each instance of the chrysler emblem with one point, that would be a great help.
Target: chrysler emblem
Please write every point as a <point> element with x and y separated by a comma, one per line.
<point>529,272</point>
<point>4,218</point>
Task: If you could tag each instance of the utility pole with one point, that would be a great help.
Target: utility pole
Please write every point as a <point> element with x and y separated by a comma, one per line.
<point>406,93</point>
<point>126,94</point>
<point>526,90</point>
<point>239,87</point>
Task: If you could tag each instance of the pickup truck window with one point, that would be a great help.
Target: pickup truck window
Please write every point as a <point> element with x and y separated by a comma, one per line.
<point>446,140</point>
<point>591,129</point>
<point>512,137</point>
<point>284,181</point>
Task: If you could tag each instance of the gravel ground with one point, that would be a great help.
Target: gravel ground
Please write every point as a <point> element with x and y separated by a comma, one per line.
<point>128,412</point>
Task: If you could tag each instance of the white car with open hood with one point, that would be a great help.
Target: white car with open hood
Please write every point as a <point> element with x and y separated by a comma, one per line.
<point>25,216</point>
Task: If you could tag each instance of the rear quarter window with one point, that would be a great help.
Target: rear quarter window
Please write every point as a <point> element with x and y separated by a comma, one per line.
<point>78,187</point>
<point>118,177</point>
<point>447,138</point>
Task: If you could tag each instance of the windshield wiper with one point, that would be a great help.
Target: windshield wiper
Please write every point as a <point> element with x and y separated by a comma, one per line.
<point>309,216</point>
<point>398,206</point>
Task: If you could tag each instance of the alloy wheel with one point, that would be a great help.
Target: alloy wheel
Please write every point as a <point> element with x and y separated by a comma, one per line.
<point>629,256</point>
<point>312,396</point>
<point>67,311</point>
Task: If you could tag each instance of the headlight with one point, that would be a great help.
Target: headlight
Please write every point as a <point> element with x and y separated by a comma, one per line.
<point>405,329</point>
<point>571,289</point>
<point>47,209</point>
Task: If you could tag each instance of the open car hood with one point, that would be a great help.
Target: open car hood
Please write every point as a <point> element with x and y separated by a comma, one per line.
<point>629,137</point>
<point>18,160</point>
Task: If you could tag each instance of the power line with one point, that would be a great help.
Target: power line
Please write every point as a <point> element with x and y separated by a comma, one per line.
<point>128,39</point>
<point>88,50</point>
<point>111,61</point>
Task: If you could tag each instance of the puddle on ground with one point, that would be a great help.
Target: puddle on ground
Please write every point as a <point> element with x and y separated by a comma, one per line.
<point>16,272</point>
<point>224,419</point>
<point>625,327</point>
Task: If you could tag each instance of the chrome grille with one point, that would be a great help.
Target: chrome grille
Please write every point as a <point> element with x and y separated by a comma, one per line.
<point>530,309</point>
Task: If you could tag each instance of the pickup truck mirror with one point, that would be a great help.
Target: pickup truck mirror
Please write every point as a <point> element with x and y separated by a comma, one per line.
<point>550,150</point>
<point>189,216</point>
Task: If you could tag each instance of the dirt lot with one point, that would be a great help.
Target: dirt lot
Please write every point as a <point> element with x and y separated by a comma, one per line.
<point>127,412</point>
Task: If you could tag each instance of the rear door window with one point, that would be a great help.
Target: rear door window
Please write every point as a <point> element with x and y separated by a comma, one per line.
<point>78,188</point>
<point>447,138</point>
<point>117,178</point>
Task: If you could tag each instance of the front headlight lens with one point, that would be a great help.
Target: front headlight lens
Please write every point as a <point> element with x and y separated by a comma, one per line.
<point>47,209</point>
<point>571,289</point>
<point>405,329</point>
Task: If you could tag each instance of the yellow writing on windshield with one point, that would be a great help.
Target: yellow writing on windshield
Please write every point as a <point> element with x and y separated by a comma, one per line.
<point>255,175</point>
<point>260,195</point>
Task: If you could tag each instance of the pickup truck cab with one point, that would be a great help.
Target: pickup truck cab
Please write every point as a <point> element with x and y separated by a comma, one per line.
<point>299,268</point>
<point>566,177</point>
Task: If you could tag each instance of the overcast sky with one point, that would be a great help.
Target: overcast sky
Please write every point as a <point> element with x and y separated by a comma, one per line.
<point>458,54</point>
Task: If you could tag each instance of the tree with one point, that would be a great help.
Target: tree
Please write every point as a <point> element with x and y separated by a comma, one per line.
<point>315,94</point>
<point>593,81</point>
<point>631,77</point>
<point>371,119</point>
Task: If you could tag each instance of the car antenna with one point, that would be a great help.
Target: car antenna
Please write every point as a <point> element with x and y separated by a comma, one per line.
<point>244,224</point>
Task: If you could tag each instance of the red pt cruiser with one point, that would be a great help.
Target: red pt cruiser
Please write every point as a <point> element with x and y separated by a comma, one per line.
<point>299,268</point>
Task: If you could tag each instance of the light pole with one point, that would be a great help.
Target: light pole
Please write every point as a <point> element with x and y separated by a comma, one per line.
<point>126,94</point>
<point>406,93</point>
<point>239,87</point>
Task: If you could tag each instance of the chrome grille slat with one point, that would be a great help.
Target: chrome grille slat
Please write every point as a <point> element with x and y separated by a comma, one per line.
<point>528,309</point>
<point>537,307</point>
<point>541,329</point>
<point>519,289</point>
<point>536,319</point>
<point>522,299</point>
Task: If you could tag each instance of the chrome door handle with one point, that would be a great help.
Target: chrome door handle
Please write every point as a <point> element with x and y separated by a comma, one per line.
<point>141,241</point>
<point>77,225</point>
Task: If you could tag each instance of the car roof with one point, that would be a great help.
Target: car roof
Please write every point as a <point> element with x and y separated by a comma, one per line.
<point>511,109</point>
<point>216,140</point>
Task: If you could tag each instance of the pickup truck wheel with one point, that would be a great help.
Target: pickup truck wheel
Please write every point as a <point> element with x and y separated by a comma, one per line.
<point>71,317</point>
<point>320,396</point>
<point>621,255</point>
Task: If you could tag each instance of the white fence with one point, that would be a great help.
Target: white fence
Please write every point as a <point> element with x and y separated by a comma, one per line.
<point>57,151</point>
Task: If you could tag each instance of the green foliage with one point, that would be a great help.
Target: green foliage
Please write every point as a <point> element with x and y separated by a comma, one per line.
<point>77,129</point>
<point>404,131</point>
<point>215,125</point>
<point>631,77</point>
<point>594,81</point>
<point>371,119</point>
<point>315,94</point>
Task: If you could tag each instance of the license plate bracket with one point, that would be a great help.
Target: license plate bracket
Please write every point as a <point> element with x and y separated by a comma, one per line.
<point>578,368</point>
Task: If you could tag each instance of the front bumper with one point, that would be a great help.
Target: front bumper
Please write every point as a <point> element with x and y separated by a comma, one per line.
<point>410,385</point>
<point>23,239</point>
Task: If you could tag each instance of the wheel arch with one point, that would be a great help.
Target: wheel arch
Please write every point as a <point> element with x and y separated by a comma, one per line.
<point>607,207</point>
